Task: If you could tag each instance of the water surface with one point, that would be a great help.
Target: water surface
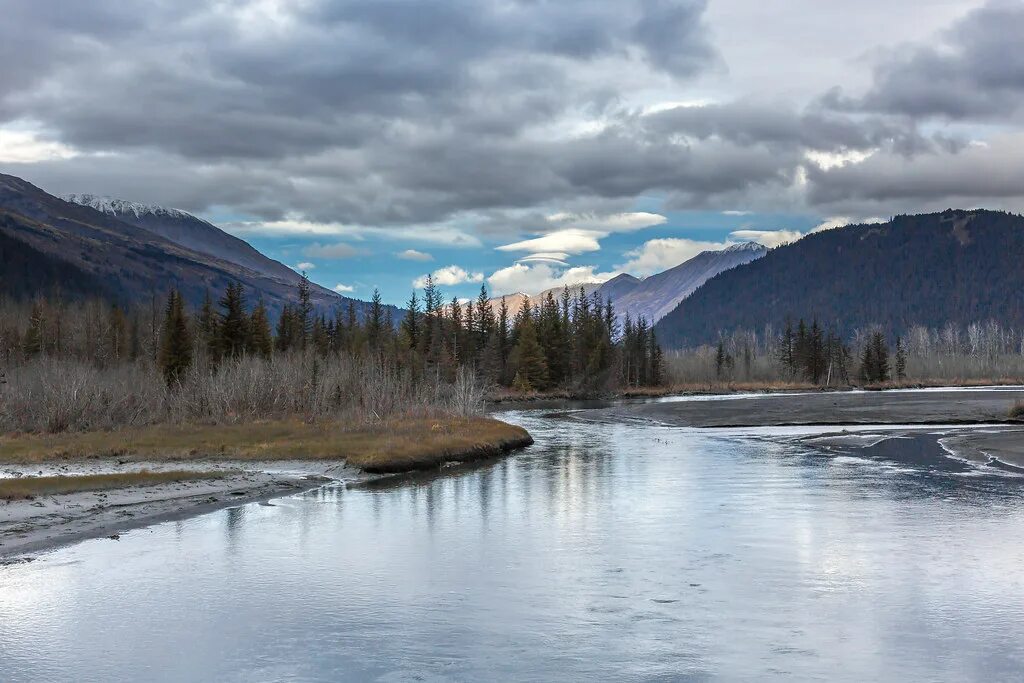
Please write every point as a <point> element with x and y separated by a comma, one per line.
<point>613,551</point>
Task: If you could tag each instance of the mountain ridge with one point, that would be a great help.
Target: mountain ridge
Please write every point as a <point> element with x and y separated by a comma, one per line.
<point>957,266</point>
<point>121,260</point>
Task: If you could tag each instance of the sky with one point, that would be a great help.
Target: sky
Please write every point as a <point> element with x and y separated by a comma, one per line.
<point>521,144</point>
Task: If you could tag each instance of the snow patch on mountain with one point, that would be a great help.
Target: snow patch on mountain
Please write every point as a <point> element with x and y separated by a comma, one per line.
<point>122,207</point>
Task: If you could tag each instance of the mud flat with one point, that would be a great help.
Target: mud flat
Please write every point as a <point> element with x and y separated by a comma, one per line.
<point>1005,446</point>
<point>252,462</point>
<point>927,406</point>
<point>48,521</point>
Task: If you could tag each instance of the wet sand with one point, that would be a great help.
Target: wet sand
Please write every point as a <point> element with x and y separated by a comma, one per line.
<point>989,446</point>
<point>47,522</point>
<point>954,406</point>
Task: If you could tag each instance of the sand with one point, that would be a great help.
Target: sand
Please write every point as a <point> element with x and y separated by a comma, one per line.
<point>951,406</point>
<point>29,526</point>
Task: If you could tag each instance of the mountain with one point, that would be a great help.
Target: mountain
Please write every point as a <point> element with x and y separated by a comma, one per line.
<point>188,231</point>
<point>619,287</point>
<point>515,302</point>
<point>47,243</point>
<point>656,296</point>
<point>951,267</point>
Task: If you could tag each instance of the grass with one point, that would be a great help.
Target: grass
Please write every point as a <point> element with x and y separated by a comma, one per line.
<point>1017,411</point>
<point>27,488</point>
<point>396,446</point>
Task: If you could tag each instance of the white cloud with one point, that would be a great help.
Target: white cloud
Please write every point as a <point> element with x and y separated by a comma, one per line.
<point>580,233</point>
<point>432,234</point>
<point>344,289</point>
<point>448,277</point>
<point>842,221</point>
<point>535,278</point>
<point>413,255</point>
<point>736,213</point>
<point>339,250</point>
<point>829,160</point>
<point>554,257</point>
<point>657,255</point>
<point>304,266</point>
<point>607,223</point>
<point>769,238</point>
<point>571,241</point>
<point>25,147</point>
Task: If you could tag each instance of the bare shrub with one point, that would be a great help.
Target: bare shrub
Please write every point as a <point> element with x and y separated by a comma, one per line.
<point>50,395</point>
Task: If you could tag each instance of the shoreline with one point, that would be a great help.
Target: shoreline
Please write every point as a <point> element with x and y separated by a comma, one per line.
<point>50,522</point>
<point>259,463</point>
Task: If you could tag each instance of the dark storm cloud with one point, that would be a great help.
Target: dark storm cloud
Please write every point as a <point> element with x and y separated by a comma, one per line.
<point>975,69</point>
<point>412,112</point>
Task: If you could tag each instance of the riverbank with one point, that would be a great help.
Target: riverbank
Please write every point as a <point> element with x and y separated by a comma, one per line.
<point>212,466</point>
<point>724,388</point>
<point>928,406</point>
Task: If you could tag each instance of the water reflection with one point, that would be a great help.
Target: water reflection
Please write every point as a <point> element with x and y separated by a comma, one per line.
<point>607,551</point>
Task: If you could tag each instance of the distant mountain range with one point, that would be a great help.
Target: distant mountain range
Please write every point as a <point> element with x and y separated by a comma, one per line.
<point>951,267</point>
<point>653,297</point>
<point>128,252</point>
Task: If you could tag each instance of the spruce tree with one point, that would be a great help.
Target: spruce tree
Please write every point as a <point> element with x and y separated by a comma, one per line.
<point>901,360</point>
<point>33,344</point>
<point>234,323</point>
<point>528,357</point>
<point>411,322</point>
<point>175,354</point>
<point>260,341</point>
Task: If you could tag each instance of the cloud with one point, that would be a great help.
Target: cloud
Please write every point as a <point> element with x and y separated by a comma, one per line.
<point>26,146</point>
<point>562,241</point>
<point>338,250</point>
<point>553,257</point>
<point>537,277</point>
<point>343,289</point>
<point>768,238</point>
<point>609,223</point>
<point>579,233</point>
<point>834,222</point>
<point>504,122</point>
<point>448,277</point>
<point>654,256</point>
<point>413,255</point>
<point>969,70</point>
<point>304,266</point>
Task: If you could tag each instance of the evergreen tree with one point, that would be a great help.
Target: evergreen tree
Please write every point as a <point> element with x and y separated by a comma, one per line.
<point>528,358</point>
<point>260,341</point>
<point>375,321</point>
<point>175,354</point>
<point>234,323</point>
<point>411,322</point>
<point>303,314</point>
<point>786,349</point>
<point>33,344</point>
<point>901,360</point>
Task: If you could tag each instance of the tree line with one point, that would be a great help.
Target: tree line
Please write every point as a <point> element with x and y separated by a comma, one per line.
<point>573,342</point>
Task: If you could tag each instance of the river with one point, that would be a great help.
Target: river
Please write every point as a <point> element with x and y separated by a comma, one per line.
<point>610,550</point>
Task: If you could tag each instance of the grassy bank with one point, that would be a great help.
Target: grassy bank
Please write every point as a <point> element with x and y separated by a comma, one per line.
<point>27,488</point>
<point>393,446</point>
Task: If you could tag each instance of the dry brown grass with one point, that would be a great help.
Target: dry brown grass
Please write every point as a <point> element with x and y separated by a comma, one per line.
<point>397,445</point>
<point>1017,411</point>
<point>27,488</point>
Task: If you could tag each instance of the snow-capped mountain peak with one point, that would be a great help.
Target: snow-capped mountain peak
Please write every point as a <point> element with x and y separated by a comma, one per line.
<point>122,207</point>
<point>746,246</point>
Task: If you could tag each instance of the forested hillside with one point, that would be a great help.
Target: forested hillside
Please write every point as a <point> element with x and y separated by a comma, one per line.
<point>954,267</point>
